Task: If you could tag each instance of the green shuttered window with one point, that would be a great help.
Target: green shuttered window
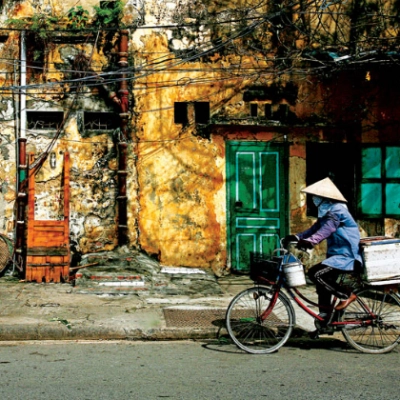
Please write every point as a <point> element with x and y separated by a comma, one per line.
<point>380,182</point>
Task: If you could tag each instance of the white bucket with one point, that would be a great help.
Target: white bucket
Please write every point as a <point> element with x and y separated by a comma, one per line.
<point>295,275</point>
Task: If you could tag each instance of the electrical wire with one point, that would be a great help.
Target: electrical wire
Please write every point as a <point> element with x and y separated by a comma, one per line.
<point>126,71</point>
<point>37,164</point>
<point>198,53</point>
<point>166,63</point>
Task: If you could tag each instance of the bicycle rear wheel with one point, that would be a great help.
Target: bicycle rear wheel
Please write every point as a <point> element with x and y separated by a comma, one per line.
<point>246,327</point>
<point>377,321</point>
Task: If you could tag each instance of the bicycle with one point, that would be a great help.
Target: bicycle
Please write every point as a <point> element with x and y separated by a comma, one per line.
<point>260,319</point>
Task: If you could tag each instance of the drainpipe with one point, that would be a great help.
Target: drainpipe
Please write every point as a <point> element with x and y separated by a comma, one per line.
<point>123,141</point>
<point>121,99</point>
<point>22,161</point>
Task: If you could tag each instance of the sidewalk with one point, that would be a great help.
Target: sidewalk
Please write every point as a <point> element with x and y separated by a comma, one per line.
<point>47,311</point>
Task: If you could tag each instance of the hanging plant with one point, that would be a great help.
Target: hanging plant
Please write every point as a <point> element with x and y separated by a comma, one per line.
<point>109,13</point>
<point>78,17</point>
<point>40,24</point>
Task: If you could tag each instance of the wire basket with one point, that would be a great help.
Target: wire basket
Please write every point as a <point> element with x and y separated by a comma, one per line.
<point>263,266</point>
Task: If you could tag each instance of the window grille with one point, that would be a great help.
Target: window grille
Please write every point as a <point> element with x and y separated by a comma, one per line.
<point>100,121</point>
<point>44,120</point>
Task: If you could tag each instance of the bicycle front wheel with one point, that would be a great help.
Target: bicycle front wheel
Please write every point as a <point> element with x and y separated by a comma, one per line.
<point>253,332</point>
<point>376,316</point>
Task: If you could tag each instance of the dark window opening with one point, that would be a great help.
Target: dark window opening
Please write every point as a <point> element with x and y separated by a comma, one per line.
<point>202,112</point>
<point>253,109</point>
<point>100,121</point>
<point>336,161</point>
<point>48,120</point>
<point>35,56</point>
<point>181,113</point>
<point>268,110</point>
<point>282,113</point>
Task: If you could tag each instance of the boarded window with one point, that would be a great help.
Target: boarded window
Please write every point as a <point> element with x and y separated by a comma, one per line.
<point>380,182</point>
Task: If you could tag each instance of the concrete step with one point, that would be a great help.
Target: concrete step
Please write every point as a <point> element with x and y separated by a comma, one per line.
<point>165,281</point>
<point>108,279</point>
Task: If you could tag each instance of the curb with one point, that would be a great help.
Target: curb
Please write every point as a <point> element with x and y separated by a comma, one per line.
<point>46,332</point>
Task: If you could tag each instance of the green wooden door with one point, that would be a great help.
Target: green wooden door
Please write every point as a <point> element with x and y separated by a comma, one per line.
<point>257,200</point>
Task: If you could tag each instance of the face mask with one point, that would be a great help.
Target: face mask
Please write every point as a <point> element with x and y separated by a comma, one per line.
<point>317,200</point>
<point>323,208</point>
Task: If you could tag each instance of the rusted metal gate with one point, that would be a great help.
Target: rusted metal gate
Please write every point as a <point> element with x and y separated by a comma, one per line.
<point>48,254</point>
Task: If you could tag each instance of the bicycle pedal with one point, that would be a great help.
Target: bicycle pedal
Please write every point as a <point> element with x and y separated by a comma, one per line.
<point>323,327</point>
<point>320,324</point>
<point>327,330</point>
<point>314,334</point>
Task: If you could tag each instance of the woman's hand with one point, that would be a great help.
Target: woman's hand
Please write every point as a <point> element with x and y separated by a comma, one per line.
<point>303,244</point>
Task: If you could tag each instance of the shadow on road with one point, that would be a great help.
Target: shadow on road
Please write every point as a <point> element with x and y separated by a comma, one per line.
<point>299,340</point>
<point>224,344</point>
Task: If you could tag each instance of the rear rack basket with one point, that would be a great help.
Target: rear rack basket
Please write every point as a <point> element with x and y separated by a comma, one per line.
<point>264,266</point>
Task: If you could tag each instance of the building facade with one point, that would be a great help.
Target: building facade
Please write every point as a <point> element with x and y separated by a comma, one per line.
<point>192,128</point>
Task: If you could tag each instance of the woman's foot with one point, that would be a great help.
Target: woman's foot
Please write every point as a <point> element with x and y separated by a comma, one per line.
<point>344,303</point>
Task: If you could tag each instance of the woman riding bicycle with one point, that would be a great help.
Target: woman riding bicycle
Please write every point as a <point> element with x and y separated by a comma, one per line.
<point>337,226</point>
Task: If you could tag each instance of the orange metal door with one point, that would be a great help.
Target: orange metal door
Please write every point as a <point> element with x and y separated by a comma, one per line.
<point>48,254</point>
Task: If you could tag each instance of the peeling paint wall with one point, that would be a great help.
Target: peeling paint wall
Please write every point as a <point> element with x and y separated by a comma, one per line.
<point>180,175</point>
<point>92,188</point>
<point>93,154</point>
<point>7,181</point>
<point>8,150</point>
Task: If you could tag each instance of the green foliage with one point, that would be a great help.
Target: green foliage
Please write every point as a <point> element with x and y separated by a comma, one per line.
<point>109,13</point>
<point>37,54</point>
<point>78,17</point>
<point>16,23</point>
<point>40,24</point>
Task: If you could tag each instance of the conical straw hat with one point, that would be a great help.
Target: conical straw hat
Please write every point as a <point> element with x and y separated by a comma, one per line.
<point>325,188</point>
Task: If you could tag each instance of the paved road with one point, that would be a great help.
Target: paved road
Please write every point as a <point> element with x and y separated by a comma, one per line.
<point>325,369</point>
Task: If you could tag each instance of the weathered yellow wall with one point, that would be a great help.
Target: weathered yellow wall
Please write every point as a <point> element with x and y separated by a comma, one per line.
<point>176,178</point>
<point>180,176</point>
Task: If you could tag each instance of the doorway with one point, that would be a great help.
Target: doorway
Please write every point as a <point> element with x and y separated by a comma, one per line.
<point>257,200</point>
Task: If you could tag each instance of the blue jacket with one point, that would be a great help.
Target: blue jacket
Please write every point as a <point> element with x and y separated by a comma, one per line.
<point>337,226</point>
